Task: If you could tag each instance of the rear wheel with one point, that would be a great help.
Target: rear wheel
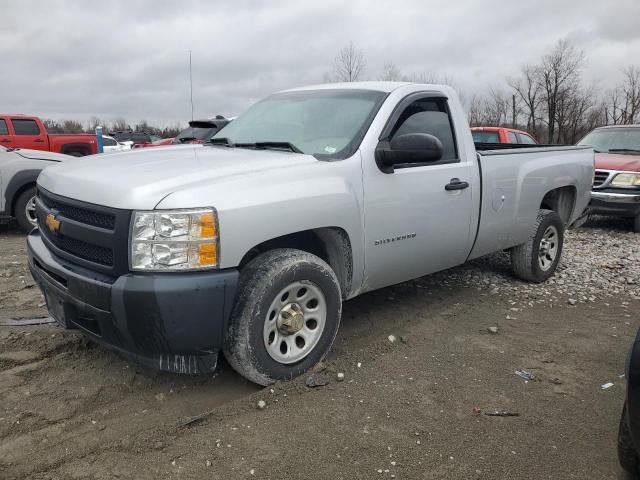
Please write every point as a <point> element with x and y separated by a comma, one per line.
<point>25,209</point>
<point>627,455</point>
<point>537,259</point>
<point>285,318</point>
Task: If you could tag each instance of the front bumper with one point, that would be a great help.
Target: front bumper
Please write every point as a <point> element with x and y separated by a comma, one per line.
<point>174,322</point>
<point>615,203</point>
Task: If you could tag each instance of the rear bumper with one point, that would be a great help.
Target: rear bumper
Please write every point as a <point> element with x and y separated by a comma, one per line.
<point>168,321</point>
<point>624,204</point>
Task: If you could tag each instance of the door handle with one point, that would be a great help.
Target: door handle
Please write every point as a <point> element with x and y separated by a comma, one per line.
<point>456,184</point>
<point>39,140</point>
<point>5,140</point>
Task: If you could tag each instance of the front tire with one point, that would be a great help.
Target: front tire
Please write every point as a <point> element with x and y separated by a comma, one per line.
<point>285,318</point>
<point>25,210</point>
<point>627,455</point>
<point>537,259</point>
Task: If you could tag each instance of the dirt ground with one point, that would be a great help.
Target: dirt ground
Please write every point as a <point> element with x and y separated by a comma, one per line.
<point>412,408</point>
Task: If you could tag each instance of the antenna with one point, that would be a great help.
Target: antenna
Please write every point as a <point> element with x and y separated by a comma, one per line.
<point>191,84</point>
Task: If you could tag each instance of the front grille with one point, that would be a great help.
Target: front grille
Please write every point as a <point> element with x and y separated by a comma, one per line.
<point>89,235</point>
<point>600,177</point>
<point>82,215</point>
<point>93,253</point>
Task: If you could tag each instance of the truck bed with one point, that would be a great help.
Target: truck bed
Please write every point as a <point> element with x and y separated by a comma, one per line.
<point>512,178</point>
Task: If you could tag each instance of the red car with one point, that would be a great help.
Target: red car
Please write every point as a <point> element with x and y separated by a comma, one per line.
<point>501,135</point>
<point>25,131</point>
<point>616,185</point>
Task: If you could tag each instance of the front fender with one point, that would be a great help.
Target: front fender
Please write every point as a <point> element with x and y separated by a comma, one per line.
<point>255,208</point>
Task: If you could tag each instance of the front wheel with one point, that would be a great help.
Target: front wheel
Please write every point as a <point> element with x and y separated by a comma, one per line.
<point>25,209</point>
<point>285,318</point>
<point>537,259</point>
<point>627,455</point>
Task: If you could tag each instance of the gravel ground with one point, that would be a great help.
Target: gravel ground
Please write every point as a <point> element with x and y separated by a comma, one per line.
<point>411,408</point>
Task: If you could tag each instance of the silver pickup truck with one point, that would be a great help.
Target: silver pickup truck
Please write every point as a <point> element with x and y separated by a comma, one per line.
<point>249,244</point>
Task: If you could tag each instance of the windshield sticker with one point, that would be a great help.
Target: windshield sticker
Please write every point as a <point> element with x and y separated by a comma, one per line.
<point>329,149</point>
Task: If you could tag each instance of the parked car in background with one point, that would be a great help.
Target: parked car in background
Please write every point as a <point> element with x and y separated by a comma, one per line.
<point>249,243</point>
<point>629,429</point>
<point>616,183</point>
<point>198,131</point>
<point>136,138</point>
<point>110,144</point>
<point>19,169</point>
<point>26,131</point>
<point>501,135</point>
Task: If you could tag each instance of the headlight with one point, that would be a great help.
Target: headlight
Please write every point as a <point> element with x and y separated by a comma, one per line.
<point>174,240</point>
<point>626,180</point>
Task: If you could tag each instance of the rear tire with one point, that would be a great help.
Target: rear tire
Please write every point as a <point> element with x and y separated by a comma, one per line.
<point>627,455</point>
<point>537,259</point>
<point>285,318</point>
<point>25,210</point>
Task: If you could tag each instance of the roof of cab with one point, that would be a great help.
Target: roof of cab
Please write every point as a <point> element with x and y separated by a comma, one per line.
<point>376,86</point>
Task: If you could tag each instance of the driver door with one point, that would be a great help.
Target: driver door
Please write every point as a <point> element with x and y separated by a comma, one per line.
<point>413,224</point>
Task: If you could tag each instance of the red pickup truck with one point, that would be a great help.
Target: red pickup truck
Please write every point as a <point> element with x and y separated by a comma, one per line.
<point>501,135</point>
<point>25,131</point>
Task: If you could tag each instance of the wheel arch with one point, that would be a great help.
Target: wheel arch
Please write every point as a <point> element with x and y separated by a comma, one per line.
<point>561,200</point>
<point>70,148</point>
<point>331,244</point>
<point>20,182</point>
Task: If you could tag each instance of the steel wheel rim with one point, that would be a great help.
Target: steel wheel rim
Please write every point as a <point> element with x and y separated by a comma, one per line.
<point>283,342</point>
<point>548,249</point>
<point>30,211</point>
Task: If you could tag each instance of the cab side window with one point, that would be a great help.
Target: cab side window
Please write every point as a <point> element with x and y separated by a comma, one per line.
<point>3,127</point>
<point>25,126</point>
<point>429,116</point>
<point>512,137</point>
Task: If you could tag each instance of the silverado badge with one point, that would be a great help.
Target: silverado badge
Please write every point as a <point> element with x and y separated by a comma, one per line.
<point>53,223</point>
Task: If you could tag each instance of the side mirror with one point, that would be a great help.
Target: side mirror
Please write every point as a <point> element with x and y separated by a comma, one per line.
<point>410,148</point>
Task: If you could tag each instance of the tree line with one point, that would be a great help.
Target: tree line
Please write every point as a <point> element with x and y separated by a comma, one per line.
<point>548,98</point>
<point>117,125</point>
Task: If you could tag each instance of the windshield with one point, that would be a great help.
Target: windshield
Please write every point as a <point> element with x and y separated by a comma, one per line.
<point>485,137</point>
<point>317,122</point>
<point>615,140</point>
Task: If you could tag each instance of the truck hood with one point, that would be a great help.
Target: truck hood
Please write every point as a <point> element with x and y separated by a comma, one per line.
<point>615,161</point>
<point>141,178</point>
<point>42,155</point>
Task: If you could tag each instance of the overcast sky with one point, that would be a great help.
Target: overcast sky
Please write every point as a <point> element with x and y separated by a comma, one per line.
<point>75,59</point>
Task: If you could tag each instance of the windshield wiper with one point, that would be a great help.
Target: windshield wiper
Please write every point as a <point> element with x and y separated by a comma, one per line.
<point>221,141</point>
<point>628,150</point>
<point>271,146</point>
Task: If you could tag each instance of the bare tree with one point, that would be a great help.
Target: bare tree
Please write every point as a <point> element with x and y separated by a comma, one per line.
<point>120,125</point>
<point>631,91</point>
<point>349,64</point>
<point>93,123</point>
<point>529,94</point>
<point>390,73</point>
<point>72,126</point>
<point>559,72</point>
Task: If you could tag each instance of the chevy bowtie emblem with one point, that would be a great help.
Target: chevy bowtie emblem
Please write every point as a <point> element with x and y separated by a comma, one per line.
<point>53,223</point>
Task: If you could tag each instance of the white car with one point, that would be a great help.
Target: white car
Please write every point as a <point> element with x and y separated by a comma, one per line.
<point>110,144</point>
